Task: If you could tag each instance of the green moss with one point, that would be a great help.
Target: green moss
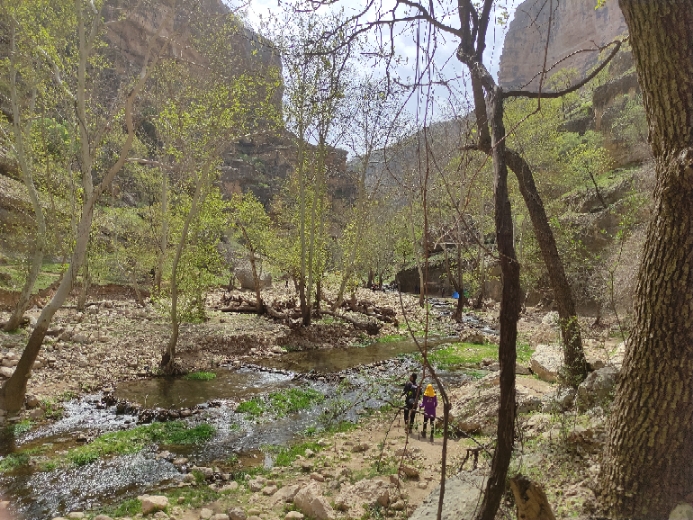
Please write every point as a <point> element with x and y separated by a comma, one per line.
<point>200,376</point>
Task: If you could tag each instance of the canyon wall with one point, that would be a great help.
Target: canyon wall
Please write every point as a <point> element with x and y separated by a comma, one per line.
<point>571,27</point>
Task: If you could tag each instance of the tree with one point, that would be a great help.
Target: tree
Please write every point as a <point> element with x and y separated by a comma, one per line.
<point>648,459</point>
<point>80,87</point>
<point>200,115</point>
<point>316,59</point>
<point>252,228</point>
<point>33,44</point>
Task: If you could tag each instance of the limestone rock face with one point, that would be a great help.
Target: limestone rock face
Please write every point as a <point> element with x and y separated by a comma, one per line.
<point>574,26</point>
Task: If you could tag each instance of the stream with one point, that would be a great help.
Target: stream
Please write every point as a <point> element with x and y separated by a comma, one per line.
<point>353,375</point>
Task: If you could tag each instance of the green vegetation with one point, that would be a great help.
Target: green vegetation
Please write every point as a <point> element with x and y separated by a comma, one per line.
<point>282,403</point>
<point>465,355</point>
<point>285,455</point>
<point>14,461</point>
<point>19,428</point>
<point>118,443</point>
<point>200,376</point>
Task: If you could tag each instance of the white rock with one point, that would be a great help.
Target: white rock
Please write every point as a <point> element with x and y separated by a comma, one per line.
<point>206,514</point>
<point>546,362</point>
<point>153,503</point>
<point>310,502</point>
<point>353,498</point>
<point>683,511</point>
<point>6,371</point>
<point>285,494</point>
<point>294,515</point>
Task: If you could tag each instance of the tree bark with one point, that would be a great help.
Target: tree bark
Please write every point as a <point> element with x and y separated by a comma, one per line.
<point>509,314</point>
<point>648,459</point>
<point>22,158</point>
<point>573,354</point>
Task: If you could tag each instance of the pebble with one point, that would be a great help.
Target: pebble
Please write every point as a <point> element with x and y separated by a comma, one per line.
<point>318,477</point>
<point>76,515</point>
<point>294,515</point>
<point>206,514</point>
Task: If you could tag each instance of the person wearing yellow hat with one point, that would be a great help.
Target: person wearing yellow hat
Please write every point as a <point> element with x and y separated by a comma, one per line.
<point>429,403</point>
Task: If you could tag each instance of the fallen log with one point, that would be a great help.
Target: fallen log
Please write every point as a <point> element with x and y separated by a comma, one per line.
<point>370,327</point>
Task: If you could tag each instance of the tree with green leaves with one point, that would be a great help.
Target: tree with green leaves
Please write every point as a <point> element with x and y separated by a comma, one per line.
<point>34,33</point>
<point>316,63</point>
<point>79,75</point>
<point>251,226</point>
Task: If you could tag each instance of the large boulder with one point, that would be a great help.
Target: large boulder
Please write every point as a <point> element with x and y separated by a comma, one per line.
<point>546,362</point>
<point>153,503</point>
<point>353,498</point>
<point>462,495</point>
<point>311,503</point>
<point>244,275</point>
<point>597,389</point>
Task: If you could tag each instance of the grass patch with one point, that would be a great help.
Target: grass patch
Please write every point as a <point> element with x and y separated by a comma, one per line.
<point>254,407</point>
<point>281,404</point>
<point>390,338</point>
<point>14,461</point>
<point>196,497</point>
<point>294,400</point>
<point>285,455</point>
<point>200,376</point>
<point>524,352</point>
<point>131,441</point>
<point>461,355</point>
<point>18,428</point>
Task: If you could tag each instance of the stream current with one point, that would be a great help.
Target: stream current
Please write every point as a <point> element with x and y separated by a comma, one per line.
<point>370,377</point>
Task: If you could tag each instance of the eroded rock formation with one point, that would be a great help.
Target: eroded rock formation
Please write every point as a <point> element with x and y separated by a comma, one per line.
<point>570,27</point>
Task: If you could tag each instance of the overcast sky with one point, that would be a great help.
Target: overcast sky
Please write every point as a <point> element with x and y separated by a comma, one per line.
<point>448,66</point>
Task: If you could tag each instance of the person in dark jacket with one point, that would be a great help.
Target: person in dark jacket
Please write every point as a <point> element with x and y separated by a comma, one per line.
<point>411,396</point>
<point>429,404</point>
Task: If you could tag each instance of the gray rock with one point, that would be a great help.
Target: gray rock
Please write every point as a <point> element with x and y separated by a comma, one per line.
<point>462,495</point>
<point>597,389</point>
<point>546,362</point>
<point>683,511</point>
<point>6,371</point>
<point>236,513</point>
<point>310,502</point>
<point>561,401</point>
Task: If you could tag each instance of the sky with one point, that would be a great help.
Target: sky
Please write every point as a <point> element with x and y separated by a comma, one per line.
<point>448,67</point>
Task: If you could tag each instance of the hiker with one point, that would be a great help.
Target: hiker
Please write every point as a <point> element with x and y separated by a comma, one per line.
<point>429,404</point>
<point>411,395</point>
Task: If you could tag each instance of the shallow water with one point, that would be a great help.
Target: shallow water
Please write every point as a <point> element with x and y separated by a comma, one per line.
<point>42,495</point>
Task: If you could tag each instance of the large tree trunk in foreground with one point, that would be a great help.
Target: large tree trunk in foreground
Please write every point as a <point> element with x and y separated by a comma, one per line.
<point>648,460</point>
<point>509,314</point>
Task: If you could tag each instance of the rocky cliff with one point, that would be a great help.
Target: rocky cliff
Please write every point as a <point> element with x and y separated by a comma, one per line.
<point>571,27</point>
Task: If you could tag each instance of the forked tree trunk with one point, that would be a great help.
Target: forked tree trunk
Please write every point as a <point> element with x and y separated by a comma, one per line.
<point>574,360</point>
<point>509,314</point>
<point>648,460</point>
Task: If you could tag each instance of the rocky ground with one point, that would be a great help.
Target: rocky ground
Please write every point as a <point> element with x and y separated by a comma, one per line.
<point>559,433</point>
